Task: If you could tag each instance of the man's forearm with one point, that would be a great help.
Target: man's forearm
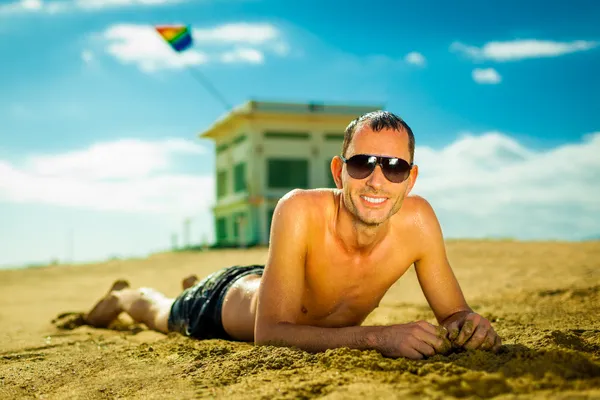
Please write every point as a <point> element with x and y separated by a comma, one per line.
<point>316,339</point>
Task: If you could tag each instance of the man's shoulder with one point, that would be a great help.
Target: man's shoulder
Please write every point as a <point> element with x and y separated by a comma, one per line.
<point>308,198</point>
<point>419,213</point>
<point>417,204</point>
<point>300,209</point>
<point>424,223</point>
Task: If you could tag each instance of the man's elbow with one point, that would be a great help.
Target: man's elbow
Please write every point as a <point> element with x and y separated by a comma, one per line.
<point>268,335</point>
<point>263,334</point>
<point>261,339</point>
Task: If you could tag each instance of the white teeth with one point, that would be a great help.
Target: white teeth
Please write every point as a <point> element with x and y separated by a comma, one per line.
<point>373,200</point>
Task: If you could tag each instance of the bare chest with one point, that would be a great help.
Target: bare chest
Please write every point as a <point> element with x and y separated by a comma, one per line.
<point>342,290</point>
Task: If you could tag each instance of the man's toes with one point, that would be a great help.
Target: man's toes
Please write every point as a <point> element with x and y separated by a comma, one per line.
<point>189,281</point>
<point>119,285</point>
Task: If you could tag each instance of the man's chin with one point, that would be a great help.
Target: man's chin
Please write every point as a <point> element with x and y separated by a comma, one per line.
<point>370,220</point>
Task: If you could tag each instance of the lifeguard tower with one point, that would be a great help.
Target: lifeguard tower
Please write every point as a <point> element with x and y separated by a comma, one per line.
<point>266,149</point>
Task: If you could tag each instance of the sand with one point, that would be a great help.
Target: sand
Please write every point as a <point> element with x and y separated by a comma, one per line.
<point>543,300</point>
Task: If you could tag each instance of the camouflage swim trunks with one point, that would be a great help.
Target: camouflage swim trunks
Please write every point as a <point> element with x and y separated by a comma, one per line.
<point>196,312</point>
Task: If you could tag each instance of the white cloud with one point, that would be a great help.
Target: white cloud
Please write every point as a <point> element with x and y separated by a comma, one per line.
<point>126,158</point>
<point>521,49</point>
<point>56,6</point>
<point>126,175</point>
<point>236,33</point>
<point>252,56</point>
<point>415,58</point>
<point>96,4</point>
<point>490,185</point>
<point>31,4</point>
<point>230,43</point>
<point>486,76</point>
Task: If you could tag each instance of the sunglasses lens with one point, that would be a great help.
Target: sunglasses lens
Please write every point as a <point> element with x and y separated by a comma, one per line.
<point>361,166</point>
<point>396,169</point>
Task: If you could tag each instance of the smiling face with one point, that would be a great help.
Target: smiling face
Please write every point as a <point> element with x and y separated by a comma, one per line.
<point>374,199</point>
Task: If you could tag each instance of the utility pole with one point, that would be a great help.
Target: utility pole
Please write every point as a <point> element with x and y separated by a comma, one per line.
<point>186,232</point>
<point>69,255</point>
<point>242,231</point>
<point>173,241</point>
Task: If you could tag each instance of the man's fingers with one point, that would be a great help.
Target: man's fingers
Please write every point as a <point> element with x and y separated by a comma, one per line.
<point>440,344</point>
<point>442,332</point>
<point>497,344</point>
<point>412,354</point>
<point>468,328</point>
<point>444,346</point>
<point>428,327</point>
<point>438,331</point>
<point>478,337</point>
<point>453,330</point>
<point>489,340</point>
<point>424,348</point>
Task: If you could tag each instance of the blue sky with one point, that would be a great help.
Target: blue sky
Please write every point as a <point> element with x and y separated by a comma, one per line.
<point>98,119</point>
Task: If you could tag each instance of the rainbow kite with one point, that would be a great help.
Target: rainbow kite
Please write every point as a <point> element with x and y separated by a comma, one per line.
<point>178,36</point>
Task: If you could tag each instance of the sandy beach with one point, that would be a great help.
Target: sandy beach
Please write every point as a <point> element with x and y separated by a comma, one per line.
<point>542,297</point>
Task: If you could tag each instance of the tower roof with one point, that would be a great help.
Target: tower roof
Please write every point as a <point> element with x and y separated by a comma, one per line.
<point>254,109</point>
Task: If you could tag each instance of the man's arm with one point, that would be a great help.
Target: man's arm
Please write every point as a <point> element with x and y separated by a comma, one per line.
<point>282,285</point>
<point>441,288</point>
<point>437,280</point>
<point>280,296</point>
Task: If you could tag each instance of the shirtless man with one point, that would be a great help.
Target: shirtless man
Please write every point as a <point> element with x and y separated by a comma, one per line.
<point>333,255</point>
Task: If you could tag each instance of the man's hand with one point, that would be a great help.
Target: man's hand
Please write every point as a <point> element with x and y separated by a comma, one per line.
<point>471,331</point>
<point>415,340</point>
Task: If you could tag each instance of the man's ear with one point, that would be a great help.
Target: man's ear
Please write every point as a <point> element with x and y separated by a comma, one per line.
<point>336,170</point>
<point>412,178</point>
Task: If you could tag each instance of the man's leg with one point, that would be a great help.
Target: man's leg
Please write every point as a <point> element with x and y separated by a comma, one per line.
<point>144,305</point>
<point>152,308</point>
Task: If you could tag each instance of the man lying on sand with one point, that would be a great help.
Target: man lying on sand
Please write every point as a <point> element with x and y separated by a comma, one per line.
<point>333,255</point>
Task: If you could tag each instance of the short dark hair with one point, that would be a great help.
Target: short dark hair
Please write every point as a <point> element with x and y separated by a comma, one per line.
<point>378,120</point>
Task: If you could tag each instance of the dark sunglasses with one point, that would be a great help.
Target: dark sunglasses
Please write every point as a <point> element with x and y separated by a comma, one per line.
<point>395,169</point>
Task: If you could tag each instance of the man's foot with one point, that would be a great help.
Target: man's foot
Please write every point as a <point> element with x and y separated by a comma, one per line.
<point>107,309</point>
<point>69,320</point>
<point>189,281</point>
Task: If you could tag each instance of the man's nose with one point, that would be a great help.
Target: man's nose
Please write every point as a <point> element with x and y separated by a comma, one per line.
<point>376,179</point>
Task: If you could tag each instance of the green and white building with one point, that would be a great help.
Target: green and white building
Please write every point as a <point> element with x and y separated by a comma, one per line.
<point>266,149</point>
